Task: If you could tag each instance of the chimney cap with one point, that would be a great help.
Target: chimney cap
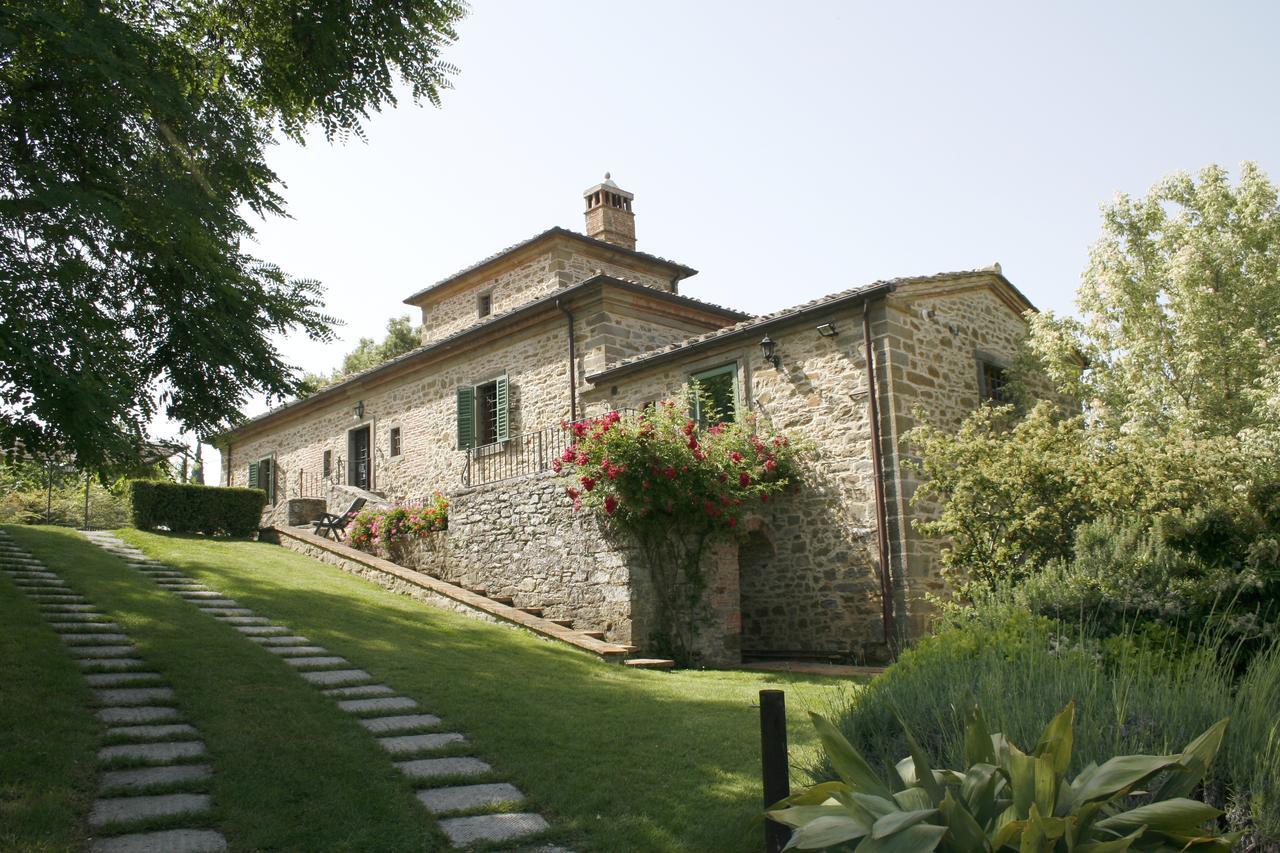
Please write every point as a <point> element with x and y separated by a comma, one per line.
<point>608,184</point>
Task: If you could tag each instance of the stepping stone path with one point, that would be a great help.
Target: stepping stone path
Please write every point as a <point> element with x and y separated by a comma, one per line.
<point>143,726</point>
<point>452,786</point>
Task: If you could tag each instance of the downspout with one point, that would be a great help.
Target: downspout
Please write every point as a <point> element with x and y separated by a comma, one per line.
<point>573,377</point>
<point>877,466</point>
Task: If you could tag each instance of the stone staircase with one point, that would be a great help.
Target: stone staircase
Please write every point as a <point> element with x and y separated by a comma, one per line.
<point>473,602</point>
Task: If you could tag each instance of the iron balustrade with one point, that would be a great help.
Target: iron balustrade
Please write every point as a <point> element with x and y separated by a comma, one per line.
<point>523,453</point>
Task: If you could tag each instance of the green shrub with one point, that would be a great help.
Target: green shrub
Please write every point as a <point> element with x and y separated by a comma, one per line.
<point>1253,750</point>
<point>1006,799</point>
<point>195,509</point>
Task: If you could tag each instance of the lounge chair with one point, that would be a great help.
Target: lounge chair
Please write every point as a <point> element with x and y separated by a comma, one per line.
<point>337,524</point>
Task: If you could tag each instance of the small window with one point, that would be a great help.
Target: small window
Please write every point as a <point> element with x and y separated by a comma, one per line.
<point>717,397</point>
<point>327,464</point>
<point>484,304</point>
<point>486,413</point>
<point>994,381</point>
<point>395,441</point>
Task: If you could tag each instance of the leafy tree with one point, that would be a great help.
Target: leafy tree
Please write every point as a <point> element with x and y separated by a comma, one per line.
<point>132,147</point>
<point>401,337</point>
<point>1180,309</point>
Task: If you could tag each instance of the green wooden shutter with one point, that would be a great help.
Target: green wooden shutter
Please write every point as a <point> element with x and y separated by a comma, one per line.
<point>253,475</point>
<point>501,417</point>
<point>466,418</point>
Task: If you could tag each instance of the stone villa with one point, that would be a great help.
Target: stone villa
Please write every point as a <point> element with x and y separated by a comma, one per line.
<point>566,325</point>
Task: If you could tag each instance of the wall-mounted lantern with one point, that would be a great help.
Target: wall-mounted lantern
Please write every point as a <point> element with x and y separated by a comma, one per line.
<point>769,347</point>
<point>828,330</point>
<point>358,411</point>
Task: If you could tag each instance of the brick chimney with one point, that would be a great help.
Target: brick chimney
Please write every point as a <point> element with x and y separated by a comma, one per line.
<point>609,215</point>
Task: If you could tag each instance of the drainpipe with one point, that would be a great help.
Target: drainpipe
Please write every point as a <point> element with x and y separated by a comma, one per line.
<point>573,377</point>
<point>877,465</point>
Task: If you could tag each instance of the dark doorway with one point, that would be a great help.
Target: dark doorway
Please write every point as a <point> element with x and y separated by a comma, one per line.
<point>360,466</point>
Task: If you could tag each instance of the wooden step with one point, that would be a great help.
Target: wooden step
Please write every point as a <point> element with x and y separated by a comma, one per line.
<point>532,611</point>
<point>482,592</point>
<point>650,663</point>
<point>595,635</point>
<point>563,623</point>
<point>503,599</point>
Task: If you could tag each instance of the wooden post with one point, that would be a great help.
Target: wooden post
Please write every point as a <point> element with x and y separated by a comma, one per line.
<point>773,763</point>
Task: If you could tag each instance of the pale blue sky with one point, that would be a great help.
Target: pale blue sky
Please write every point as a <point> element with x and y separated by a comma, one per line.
<point>784,150</point>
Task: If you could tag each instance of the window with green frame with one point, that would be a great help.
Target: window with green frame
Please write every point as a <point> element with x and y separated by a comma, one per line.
<point>717,397</point>
<point>484,413</point>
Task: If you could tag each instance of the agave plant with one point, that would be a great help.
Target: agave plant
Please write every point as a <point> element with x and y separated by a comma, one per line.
<point>1008,799</point>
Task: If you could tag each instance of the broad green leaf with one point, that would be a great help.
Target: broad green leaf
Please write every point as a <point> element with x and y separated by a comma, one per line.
<point>920,838</point>
<point>1007,828</point>
<point>1056,742</point>
<point>825,831</point>
<point>847,762</point>
<point>913,799</point>
<point>978,747</point>
<point>1046,794</point>
<point>1118,845</point>
<point>1121,773</point>
<point>800,815</point>
<point>964,828</point>
<point>924,770</point>
<point>1195,760</point>
<point>906,770</point>
<point>1177,815</point>
<point>1022,779</point>
<point>898,821</point>
<point>978,791</point>
<point>878,806</point>
<point>811,796</point>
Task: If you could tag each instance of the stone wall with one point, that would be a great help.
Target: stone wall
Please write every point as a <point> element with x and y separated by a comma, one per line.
<point>545,273</point>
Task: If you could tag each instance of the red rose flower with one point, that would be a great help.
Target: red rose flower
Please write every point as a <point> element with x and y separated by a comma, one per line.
<point>744,479</point>
<point>610,504</point>
<point>588,483</point>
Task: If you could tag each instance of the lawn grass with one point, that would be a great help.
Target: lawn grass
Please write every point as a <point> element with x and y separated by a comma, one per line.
<point>47,735</point>
<point>616,759</point>
<point>291,771</point>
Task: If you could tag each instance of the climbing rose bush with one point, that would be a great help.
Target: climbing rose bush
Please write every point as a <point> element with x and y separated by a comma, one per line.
<point>659,468</point>
<point>372,528</point>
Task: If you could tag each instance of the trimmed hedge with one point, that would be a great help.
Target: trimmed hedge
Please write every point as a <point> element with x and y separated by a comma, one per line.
<point>195,509</point>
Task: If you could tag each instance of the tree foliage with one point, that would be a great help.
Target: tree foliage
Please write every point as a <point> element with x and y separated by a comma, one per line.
<point>401,338</point>
<point>132,148</point>
<point>1180,309</point>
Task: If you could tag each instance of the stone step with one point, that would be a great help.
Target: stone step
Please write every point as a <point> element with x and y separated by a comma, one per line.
<point>114,810</point>
<point>93,639</point>
<point>336,676</point>
<point>53,609</point>
<point>312,663</point>
<point>156,732</point>
<point>153,753</point>
<point>200,593</point>
<point>463,831</point>
<point>144,777</point>
<point>165,841</point>
<point>226,611</point>
<point>503,599</point>
<point>287,640</point>
<point>467,797</point>
<point>649,663</point>
<point>118,651</point>
<point>133,695</point>
<point>84,627</point>
<point>218,602</point>
<point>595,635</point>
<point>261,630</point>
<point>563,623</point>
<point>533,611</point>
<point>64,617</point>
<point>292,651</point>
<point>378,705</point>
<point>243,620</point>
<point>137,714</point>
<point>358,691</point>
<point>407,722</point>
<point>434,768</point>
<point>111,664</point>
<point>115,679</point>
<point>405,744</point>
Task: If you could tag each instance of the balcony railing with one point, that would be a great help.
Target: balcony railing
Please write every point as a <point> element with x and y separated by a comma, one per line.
<point>523,453</point>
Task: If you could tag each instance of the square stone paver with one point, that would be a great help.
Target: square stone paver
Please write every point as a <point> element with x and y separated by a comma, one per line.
<point>378,705</point>
<point>359,690</point>
<point>326,660</point>
<point>144,777</point>
<point>102,651</point>
<point>133,695</point>
<point>153,753</point>
<point>84,627</point>
<point>226,611</point>
<point>292,651</point>
<point>244,620</point>
<point>136,714</point>
<point>200,593</point>
<point>432,768</point>
<point>219,602</point>
<point>261,630</point>
<point>465,797</point>
<point>287,640</point>
<point>112,664</point>
<point>129,809</point>
<point>403,744</point>
<point>115,679</point>
<point>491,827</point>
<point>64,616</point>
<point>165,841</point>
<point>336,676</point>
<point>54,609</point>
<point>153,732</point>
<point>93,639</point>
<point>405,722</point>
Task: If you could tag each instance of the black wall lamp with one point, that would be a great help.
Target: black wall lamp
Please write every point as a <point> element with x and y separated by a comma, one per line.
<point>828,330</point>
<point>359,410</point>
<point>769,348</point>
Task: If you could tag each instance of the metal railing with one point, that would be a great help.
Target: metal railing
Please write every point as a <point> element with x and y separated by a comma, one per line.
<point>312,484</point>
<point>522,454</point>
